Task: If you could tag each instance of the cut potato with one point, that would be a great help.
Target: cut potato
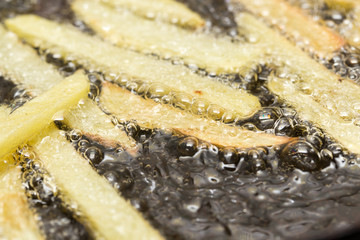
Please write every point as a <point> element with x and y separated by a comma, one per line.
<point>346,5</point>
<point>213,54</point>
<point>109,215</point>
<point>16,219</point>
<point>320,88</point>
<point>23,66</point>
<point>35,115</point>
<point>96,54</point>
<point>340,96</point>
<point>38,76</point>
<point>291,20</point>
<point>149,114</point>
<point>95,124</point>
<point>4,113</point>
<point>313,110</point>
<point>6,162</point>
<point>165,10</point>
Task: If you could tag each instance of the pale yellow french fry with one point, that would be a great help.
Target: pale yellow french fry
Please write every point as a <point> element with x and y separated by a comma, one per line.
<point>4,113</point>
<point>217,55</point>
<point>312,110</point>
<point>27,69</point>
<point>22,65</point>
<point>35,115</point>
<point>95,124</point>
<point>38,76</point>
<point>166,10</point>
<point>322,88</point>
<point>17,221</point>
<point>290,19</point>
<point>147,113</point>
<point>107,214</point>
<point>5,163</point>
<point>346,5</point>
<point>340,96</point>
<point>96,54</point>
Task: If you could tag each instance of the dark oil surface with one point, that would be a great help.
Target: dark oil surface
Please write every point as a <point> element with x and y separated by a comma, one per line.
<point>188,189</point>
<point>5,90</point>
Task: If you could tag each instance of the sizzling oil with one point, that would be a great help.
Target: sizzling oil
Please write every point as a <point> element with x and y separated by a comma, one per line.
<point>190,189</point>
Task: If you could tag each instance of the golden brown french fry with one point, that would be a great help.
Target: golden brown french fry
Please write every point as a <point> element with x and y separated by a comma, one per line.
<point>149,114</point>
<point>108,214</point>
<point>35,115</point>
<point>96,54</point>
<point>166,10</point>
<point>313,110</point>
<point>217,55</point>
<point>23,66</point>
<point>290,19</point>
<point>17,221</point>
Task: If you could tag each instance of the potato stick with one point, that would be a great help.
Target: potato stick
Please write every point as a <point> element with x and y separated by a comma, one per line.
<point>286,17</point>
<point>38,77</point>
<point>107,213</point>
<point>35,115</point>
<point>217,55</point>
<point>16,219</point>
<point>346,5</point>
<point>96,54</point>
<point>313,81</point>
<point>147,113</point>
<point>324,86</point>
<point>22,65</point>
<point>95,124</point>
<point>166,10</point>
<point>6,162</point>
<point>4,113</point>
<point>309,109</point>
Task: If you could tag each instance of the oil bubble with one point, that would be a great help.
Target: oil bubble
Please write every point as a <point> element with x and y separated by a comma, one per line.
<point>188,146</point>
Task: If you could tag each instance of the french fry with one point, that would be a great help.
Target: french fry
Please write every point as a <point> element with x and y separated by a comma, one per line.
<point>35,115</point>
<point>345,5</point>
<point>149,114</point>
<point>286,17</point>
<point>22,65</point>
<point>324,86</point>
<point>107,213</point>
<point>16,219</point>
<point>314,91</point>
<point>4,113</point>
<point>95,124</point>
<point>166,10</point>
<point>38,76</point>
<point>96,54</point>
<point>5,163</point>
<point>312,110</point>
<point>214,54</point>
